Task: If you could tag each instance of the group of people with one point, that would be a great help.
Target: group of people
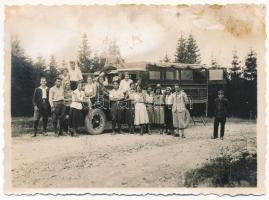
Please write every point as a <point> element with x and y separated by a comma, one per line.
<point>130,104</point>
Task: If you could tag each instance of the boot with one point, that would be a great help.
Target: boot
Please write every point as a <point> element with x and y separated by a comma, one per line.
<point>120,131</point>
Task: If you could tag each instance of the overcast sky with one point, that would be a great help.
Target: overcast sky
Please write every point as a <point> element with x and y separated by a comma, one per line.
<point>143,33</point>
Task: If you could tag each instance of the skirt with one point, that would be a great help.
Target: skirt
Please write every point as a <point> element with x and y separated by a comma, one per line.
<point>75,118</point>
<point>168,116</point>
<point>141,114</point>
<point>128,113</point>
<point>116,111</point>
<point>158,114</point>
<point>179,119</point>
<point>150,113</point>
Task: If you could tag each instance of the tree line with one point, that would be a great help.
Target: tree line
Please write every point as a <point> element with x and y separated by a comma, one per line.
<point>241,87</point>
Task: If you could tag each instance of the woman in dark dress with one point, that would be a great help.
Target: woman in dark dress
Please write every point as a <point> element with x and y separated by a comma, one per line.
<point>129,112</point>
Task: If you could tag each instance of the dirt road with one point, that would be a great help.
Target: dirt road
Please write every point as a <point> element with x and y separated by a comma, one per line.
<point>118,161</point>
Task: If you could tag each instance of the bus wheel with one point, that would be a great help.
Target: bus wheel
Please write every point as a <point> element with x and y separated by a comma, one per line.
<point>95,121</point>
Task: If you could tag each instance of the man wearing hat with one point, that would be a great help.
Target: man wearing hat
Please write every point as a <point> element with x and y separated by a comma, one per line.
<point>56,100</point>
<point>221,111</point>
<point>115,96</point>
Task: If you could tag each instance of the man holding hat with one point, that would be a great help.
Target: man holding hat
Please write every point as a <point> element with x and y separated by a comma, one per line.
<point>221,111</point>
<point>56,100</point>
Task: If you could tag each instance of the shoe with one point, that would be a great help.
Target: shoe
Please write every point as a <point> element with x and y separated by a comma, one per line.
<point>176,135</point>
<point>45,133</point>
<point>221,138</point>
<point>213,137</point>
<point>183,136</point>
<point>33,135</point>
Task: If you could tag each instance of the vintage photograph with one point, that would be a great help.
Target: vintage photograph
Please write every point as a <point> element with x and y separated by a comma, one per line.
<point>135,96</point>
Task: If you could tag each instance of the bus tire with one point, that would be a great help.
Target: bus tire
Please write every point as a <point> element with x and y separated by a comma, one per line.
<point>95,121</point>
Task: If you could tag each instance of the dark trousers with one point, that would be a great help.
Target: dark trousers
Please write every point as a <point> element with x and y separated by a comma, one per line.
<point>58,115</point>
<point>43,111</point>
<point>116,114</point>
<point>222,122</point>
<point>66,119</point>
<point>73,85</point>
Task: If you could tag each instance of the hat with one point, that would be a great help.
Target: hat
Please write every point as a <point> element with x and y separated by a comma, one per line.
<point>58,78</point>
<point>169,88</point>
<point>220,92</point>
<point>158,86</point>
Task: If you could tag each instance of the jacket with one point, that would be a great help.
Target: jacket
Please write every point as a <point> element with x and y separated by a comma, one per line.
<point>221,107</point>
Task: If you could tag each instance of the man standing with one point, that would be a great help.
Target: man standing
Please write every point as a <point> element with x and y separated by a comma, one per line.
<point>41,106</point>
<point>179,110</point>
<point>125,83</point>
<point>75,75</point>
<point>56,100</point>
<point>115,96</point>
<point>221,109</point>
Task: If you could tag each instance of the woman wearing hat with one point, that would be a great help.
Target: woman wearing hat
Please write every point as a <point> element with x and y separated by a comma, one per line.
<point>141,114</point>
<point>168,111</point>
<point>159,108</point>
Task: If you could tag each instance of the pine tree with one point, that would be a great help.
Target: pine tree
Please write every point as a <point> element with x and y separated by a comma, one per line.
<point>52,71</point>
<point>214,63</point>
<point>22,81</point>
<point>181,51</point>
<point>235,71</point>
<point>84,56</point>
<point>192,55</point>
<point>64,64</point>
<point>250,70</point>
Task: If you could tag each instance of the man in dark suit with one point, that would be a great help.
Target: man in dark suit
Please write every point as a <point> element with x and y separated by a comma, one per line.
<point>221,111</point>
<point>41,106</point>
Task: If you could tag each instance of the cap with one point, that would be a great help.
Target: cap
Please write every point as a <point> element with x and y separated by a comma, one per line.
<point>220,92</point>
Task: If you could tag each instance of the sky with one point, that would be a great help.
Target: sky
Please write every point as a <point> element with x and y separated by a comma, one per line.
<point>143,33</point>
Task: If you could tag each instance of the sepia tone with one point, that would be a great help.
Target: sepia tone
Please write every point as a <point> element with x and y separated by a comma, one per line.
<point>146,37</point>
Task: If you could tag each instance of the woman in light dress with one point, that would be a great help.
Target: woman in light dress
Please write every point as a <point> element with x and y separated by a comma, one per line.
<point>141,114</point>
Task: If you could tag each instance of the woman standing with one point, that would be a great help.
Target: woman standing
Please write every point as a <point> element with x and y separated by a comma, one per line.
<point>141,114</point>
<point>159,108</point>
<point>168,111</point>
<point>67,101</point>
<point>129,114</point>
<point>75,114</point>
<point>149,105</point>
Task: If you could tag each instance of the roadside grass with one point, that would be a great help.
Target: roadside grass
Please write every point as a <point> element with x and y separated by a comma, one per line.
<point>231,167</point>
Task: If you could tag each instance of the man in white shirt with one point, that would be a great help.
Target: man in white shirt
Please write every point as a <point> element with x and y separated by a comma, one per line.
<point>75,75</point>
<point>115,96</point>
<point>125,83</point>
<point>56,100</point>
